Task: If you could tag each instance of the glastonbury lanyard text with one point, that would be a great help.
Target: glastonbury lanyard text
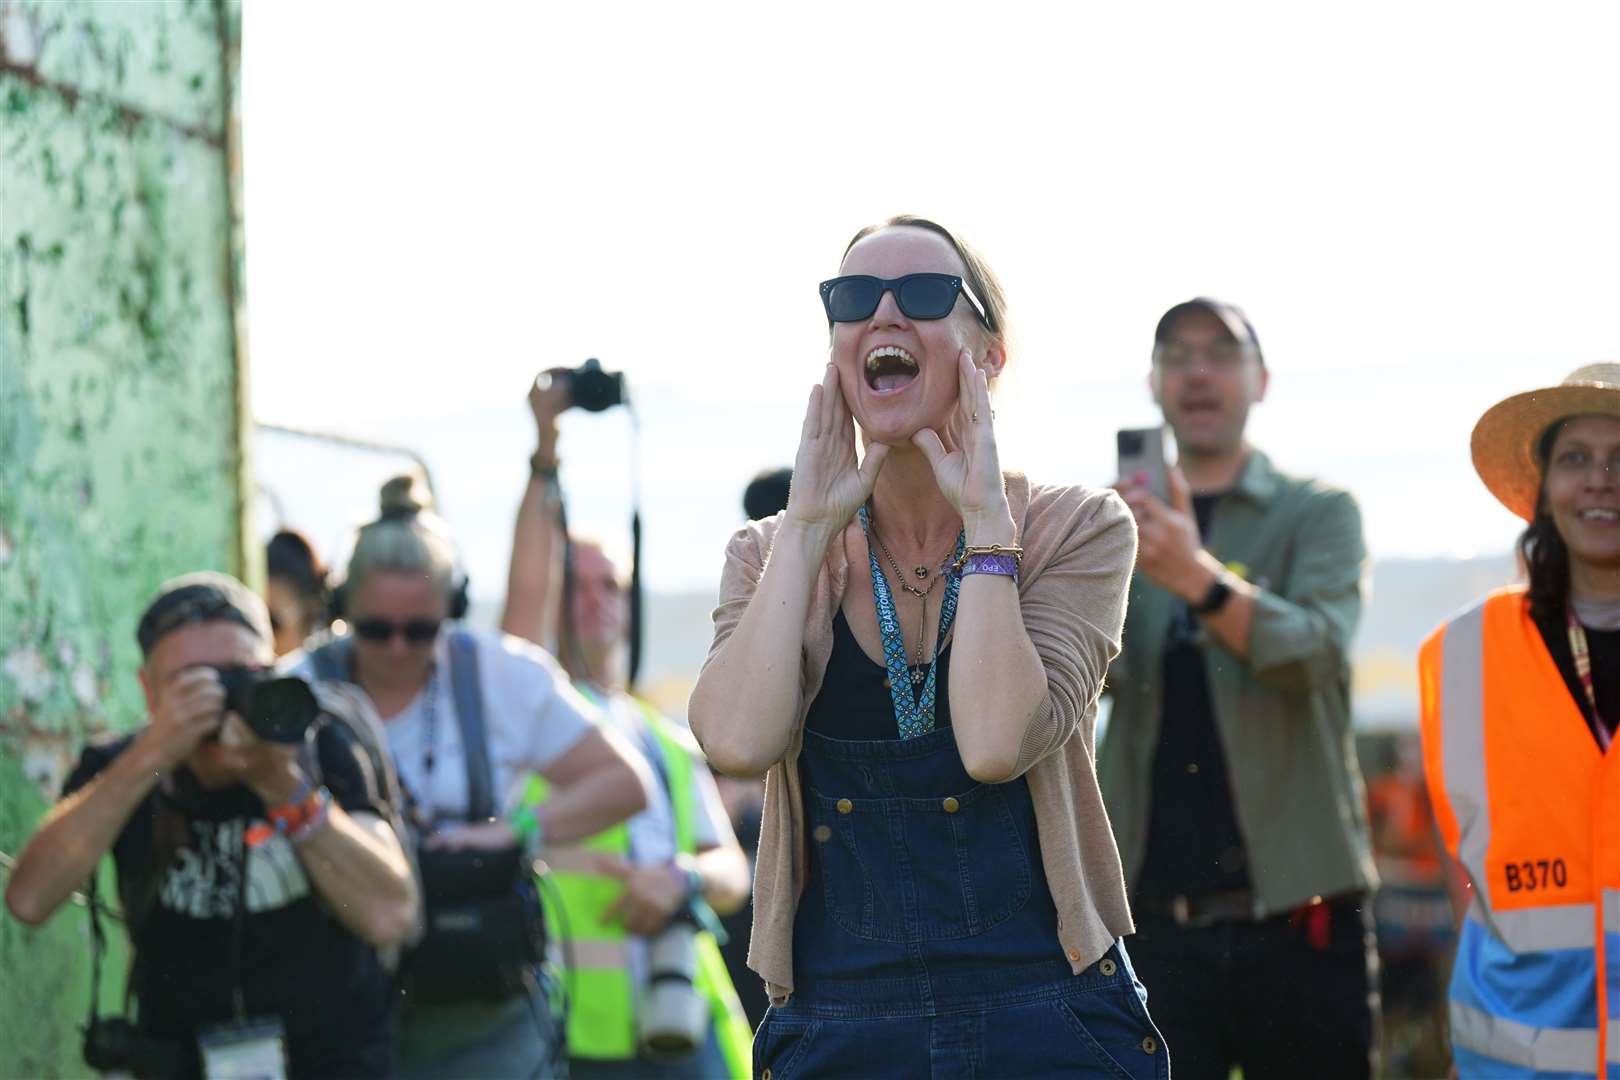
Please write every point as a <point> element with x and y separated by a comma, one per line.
<point>913,713</point>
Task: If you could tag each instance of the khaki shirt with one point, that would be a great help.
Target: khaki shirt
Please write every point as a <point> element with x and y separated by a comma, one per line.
<point>1283,714</point>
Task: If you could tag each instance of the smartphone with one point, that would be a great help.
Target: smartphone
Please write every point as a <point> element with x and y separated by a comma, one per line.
<point>1143,450</point>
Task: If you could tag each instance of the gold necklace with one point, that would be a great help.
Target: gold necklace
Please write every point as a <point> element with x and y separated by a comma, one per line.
<point>921,594</point>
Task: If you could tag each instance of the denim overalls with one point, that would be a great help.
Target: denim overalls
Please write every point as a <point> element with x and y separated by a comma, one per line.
<point>925,943</point>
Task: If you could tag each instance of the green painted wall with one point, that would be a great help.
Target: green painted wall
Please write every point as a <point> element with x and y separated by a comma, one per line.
<point>121,449</point>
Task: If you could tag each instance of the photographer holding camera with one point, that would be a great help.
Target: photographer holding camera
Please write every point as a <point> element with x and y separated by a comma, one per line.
<point>256,867</point>
<point>649,988</point>
<point>466,714</point>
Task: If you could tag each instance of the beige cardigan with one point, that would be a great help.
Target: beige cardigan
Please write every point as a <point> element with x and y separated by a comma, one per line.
<point>1079,548</point>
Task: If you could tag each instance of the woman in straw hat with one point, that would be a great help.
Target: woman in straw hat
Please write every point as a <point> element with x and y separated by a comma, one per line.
<point>1520,698</point>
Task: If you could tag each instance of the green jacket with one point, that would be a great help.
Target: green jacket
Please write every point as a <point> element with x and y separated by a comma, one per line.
<point>1283,714</point>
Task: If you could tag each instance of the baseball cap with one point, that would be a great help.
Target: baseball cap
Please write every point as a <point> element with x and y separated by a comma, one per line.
<point>1232,317</point>
<point>205,596</point>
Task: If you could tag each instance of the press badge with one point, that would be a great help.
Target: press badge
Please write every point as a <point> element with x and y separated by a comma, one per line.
<point>251,1049</point>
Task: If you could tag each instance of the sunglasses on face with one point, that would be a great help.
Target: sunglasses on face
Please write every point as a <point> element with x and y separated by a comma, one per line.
<point>854,297</point>
<point>415,631</point>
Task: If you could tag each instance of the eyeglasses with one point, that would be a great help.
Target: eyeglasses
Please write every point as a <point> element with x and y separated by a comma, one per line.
<point>1177,357</point>
<point>855,297</point>
<point>415,631</point>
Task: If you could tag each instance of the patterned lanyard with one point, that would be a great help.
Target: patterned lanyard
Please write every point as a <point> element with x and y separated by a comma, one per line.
<point>1583,669</point>
<point>913,713</point>
<point>430,739</point>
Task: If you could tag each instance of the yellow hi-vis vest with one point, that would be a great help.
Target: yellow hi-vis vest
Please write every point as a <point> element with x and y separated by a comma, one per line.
<point>601,996</point>
<point>1530,806</point>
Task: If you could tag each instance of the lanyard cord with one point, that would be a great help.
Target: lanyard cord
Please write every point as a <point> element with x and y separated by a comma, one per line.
<point>430,739</point>
<point>238,927</point>
<point>1583,669</point>
<point>98,945</point>
<point>913,714</point>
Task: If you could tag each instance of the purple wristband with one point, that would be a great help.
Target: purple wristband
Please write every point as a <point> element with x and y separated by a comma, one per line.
<point>1005,565</point>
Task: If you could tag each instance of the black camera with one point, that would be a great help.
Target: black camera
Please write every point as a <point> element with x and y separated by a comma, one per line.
<point>593,389</point>
<point>113,1044</point>
<point>278,710</point>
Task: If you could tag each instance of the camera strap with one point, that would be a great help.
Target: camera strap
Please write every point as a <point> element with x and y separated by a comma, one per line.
<point>98,950</point>
<point>239,927</point>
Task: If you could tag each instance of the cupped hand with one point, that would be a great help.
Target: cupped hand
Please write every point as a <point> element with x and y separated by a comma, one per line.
<point>966,465</point>
<point>829,481</point>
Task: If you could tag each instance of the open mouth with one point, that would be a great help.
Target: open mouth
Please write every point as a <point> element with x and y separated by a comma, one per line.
<point>1200,407</point>
<point>1600,514</point>
<point>889,368</point>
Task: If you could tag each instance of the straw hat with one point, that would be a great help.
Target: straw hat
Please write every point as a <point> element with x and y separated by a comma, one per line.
<point>1506,436</point>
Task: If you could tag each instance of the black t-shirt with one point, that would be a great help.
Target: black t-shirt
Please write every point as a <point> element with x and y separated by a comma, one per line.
<point>1604,648</point>
<point>1194,846</point>
<point>854,702</point>
<point>298,962</point>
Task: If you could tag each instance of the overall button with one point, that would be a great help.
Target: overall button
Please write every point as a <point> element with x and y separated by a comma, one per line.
<point>766,1075</point>
<point>822,834</point>
<point>951,805</point>
<point>1074,954</point>
<point>1107,967</point>
<point>1150,1045</point>
<point>845,806</point>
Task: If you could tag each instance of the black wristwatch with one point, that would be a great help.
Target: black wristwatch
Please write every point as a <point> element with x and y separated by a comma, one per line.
<point>1215,599</point>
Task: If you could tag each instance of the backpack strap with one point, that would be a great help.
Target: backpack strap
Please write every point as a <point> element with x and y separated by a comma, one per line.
<point>331,660</point>
<point>467,691</point>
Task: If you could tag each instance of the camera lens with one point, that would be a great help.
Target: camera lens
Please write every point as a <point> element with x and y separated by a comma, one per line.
<point>282,709</point>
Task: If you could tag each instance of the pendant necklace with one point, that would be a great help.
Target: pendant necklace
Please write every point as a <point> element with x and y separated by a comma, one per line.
<point>921,594</point>
<point>913,703</point>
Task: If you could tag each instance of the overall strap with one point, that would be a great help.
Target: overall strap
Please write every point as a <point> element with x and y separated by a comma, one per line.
<point>467,692</point>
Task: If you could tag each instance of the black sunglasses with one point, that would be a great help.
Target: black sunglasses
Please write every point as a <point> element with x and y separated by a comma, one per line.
<point>855,297</point>
<point>416,631</point>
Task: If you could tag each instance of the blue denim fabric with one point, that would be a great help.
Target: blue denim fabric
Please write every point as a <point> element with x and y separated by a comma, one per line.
<point>925,943</point>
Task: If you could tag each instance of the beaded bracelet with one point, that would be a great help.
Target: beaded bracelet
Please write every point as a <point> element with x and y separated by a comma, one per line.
<point>316,819</point>
<point>296,817</point>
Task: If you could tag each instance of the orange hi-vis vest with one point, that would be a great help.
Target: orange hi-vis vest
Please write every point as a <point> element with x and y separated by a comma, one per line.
<point>1530,806</point>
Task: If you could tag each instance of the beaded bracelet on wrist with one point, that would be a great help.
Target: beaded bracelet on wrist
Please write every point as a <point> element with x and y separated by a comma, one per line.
<point>315,821</point>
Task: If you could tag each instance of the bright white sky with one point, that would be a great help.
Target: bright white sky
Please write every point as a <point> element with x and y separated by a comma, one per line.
<point>1414,202</point>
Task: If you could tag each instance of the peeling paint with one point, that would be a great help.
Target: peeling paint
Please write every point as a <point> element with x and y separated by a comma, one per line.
<point>120,459</point>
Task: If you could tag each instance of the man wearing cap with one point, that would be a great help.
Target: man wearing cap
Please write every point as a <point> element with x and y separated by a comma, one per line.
<point>257,882</point>
<point>1229,766</point>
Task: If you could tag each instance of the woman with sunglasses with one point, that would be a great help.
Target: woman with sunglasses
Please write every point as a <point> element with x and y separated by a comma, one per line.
<point>1520,702</point>
<point>401,589</point>
<point>912,652</point>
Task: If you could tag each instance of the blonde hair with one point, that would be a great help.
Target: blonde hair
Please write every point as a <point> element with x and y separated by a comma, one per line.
<point>407,537</point>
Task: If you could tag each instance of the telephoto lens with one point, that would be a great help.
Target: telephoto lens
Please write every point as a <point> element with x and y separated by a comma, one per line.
<point>673,1020</point>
